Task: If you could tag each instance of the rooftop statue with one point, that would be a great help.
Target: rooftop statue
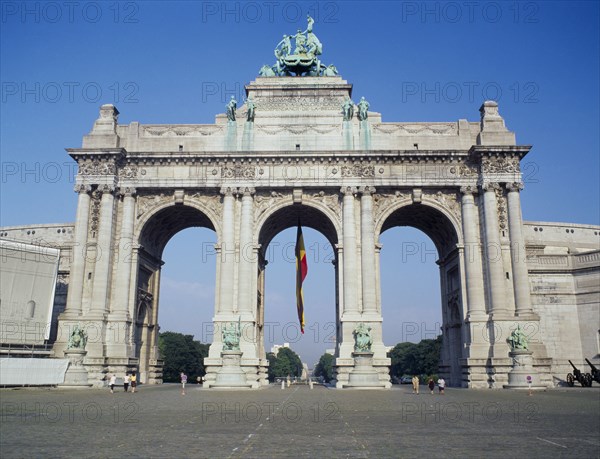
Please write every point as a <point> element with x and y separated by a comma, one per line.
<point>304,59</point>
<point>363,107</point>
<point>251,107</point>
<point>231,108</point>
<point>348,109</point>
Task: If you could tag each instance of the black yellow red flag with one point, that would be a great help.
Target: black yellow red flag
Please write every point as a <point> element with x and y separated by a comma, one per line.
<point>301,272</point>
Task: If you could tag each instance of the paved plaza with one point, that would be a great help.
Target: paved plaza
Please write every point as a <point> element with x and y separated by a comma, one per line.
<point>159,421</point>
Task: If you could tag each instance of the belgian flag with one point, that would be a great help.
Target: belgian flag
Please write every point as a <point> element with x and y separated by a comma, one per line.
<point>301,272</point>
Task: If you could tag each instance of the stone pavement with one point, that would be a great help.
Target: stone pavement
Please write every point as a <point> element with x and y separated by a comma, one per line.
<point>298,422</point>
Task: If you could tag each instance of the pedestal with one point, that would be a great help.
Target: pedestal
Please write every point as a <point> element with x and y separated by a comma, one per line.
<point>231,375</point>
<point>523,376</point>
<point>363,376</point>
<point>76,376</point>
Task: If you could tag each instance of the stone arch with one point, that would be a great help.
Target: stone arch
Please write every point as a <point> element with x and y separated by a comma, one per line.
<point>444,228</point>
<point>155,227</point>
<point>281,214</point>
<point>188,215</point>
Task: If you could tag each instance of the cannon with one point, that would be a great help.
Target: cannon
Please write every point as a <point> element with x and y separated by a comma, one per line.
<point>585,379</point>
<point>595,371</point>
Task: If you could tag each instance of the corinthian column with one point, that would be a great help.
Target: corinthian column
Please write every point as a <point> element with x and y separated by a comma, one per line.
<point>473,266</point>
<point>120,307</point>
<point>367,238</point>
<point>247,260</point>
<point>349,268</point>
<point>77,272</point>
<point>517,251</point>
<point>227,252</point>
<point>493,250</point>
<point>103,252</point>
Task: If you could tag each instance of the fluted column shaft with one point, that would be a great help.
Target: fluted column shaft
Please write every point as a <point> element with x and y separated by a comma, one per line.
<point>493,250</point>
<point>349,268</point>
<point>103,251</point>
<point>77,272</point>
<point>473,266</point>
<point>227,252</point>
<point>123,281</point>
<point>247,254</point>
<point>517,251</point>
<point>367,237</point>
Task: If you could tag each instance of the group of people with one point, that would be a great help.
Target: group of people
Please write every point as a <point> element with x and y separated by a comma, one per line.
<point>129,379</point>
<point>441,383</point>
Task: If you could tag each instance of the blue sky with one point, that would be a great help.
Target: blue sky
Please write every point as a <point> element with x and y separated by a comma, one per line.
<point>178,62</point>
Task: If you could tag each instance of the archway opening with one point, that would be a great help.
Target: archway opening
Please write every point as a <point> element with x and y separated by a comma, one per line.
<point>421,295</point>
<point>280,324</point>
<point>175,283</point>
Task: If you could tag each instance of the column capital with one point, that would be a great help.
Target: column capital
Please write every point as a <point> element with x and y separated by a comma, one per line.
<point>468,190</point>
<point>247,191</point>
<point>348,190</point>
<point>127,191</point>
<point>228,191</point>
<point>107,189</point>
<point>514,186</point>
<point>82,188</point>
<point>490,186</point>
<point>367,190</point>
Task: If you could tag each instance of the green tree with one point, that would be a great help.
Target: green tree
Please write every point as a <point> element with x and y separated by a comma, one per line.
<point>285,363</point>
<point>325,367</point>
<point>181,353</point>
<point>416,359</point>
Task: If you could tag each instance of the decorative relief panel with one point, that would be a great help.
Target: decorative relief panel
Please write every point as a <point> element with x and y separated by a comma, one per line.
<point>213,202</point>
<point>147,202</point>
<point>383,201</point>
<point>173,131</point>
<point>496,165</point>
<point>358,170</point>
<point>297,129</point>
<point>264,201</point>
<point>238,171</point>
<point>501,205</point>
<point>292,103</point>
<point>436,129</point>
<point>448,200</point>
<point>95,210</point>
<point>129,171</point>
<point>97,167</point>
<point>332,201</point>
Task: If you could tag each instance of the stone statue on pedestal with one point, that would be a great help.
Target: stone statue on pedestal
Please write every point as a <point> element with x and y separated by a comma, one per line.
<point>77,339</point>
<point>517,339</point>
<point>362,338</point>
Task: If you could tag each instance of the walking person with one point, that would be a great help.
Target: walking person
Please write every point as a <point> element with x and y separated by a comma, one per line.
<point>112,381</point>
<point>133,382</point>
<point>441,385</point>
<point>415,384</point>
<point>183,382</point>
<point>126,380</point>
<point>431,385</point>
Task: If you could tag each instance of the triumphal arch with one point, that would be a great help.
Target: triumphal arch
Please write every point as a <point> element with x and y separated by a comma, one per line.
<point>300,149</point>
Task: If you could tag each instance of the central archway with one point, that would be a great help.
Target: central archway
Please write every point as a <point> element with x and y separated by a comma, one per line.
<point>279,219</point>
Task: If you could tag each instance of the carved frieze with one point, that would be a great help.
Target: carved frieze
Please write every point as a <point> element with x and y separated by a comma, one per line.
<point>297,129</point>
<point>411,129</point>
<point>238,171</point>
<point>128,171</point>
<point>358,170</point>
<point>97,167</point>
<point>499,164</point>
<point>180,131</point>
<point>291,103</point>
